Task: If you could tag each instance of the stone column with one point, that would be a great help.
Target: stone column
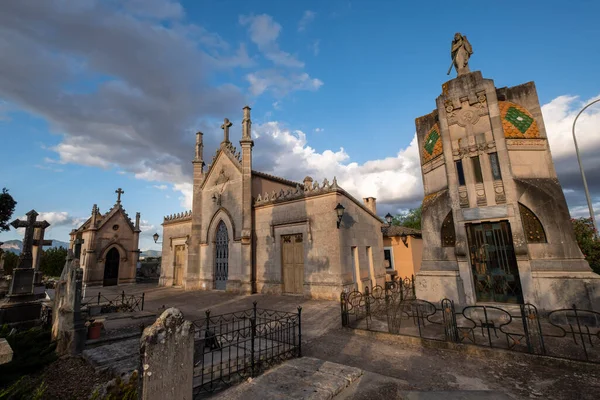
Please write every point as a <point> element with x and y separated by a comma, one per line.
<point>194,262</point>
<point>247,143</point>
<point>167,358</point>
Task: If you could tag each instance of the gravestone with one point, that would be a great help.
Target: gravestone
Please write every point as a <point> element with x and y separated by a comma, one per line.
<point>68,327</point>
<point>39,242</point>
<point>6,352</point>
<point>21,303</point>
<point>167,357</point>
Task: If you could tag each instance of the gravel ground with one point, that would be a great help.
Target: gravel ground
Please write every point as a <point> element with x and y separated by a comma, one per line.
<point>70,378</point>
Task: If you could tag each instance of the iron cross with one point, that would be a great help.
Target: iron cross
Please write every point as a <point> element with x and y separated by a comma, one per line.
<point>225,127</point>
<point>119,192</point>
<point>26,258</point>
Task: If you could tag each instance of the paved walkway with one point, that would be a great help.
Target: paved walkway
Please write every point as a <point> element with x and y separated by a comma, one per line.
<point>390,369</point>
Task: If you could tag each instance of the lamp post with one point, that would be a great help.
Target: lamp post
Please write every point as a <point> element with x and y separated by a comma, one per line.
<point>585,186</point>
<point>339,209</point>
<point>389,219</point>
<point>155,237</point>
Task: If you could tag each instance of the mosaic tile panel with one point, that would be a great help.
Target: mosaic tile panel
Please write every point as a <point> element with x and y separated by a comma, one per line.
<point>517,122</point>
<point>432,147</point>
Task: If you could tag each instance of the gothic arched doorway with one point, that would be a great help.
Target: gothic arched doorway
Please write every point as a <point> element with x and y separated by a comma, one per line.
<point>111,267</point>
<point>221,256</point>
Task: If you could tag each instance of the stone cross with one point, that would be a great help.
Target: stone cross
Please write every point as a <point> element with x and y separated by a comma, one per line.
<point>225,127</point>
<point>119,192</point>
<point>26,259</point>
<point>21,286</point>
<point>38,244</point>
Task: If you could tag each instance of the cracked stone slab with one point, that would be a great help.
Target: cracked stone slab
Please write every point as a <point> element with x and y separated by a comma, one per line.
<point>302,378</point>
<point>112,353</point>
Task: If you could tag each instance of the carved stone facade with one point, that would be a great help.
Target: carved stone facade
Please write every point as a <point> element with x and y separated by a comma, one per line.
<point>488,172</point>
<point>233,239</point>
<point>107,246</point>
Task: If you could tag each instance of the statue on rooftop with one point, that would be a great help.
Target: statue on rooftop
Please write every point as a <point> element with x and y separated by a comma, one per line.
<point>461,52</point>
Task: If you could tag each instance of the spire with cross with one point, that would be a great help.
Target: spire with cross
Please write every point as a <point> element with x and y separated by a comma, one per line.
<point>225,127</point>
<point>119,192</point>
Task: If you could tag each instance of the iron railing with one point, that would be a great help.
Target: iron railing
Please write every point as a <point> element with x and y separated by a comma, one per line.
<point>117,303</point>
<point>234,346</point>
<point>571,333</point>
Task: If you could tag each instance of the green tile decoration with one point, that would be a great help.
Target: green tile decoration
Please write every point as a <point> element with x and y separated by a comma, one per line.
<point>432,139</point>
<point>518,119</point>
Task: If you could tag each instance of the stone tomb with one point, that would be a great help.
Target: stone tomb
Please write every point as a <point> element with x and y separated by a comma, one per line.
<point>496,227</point>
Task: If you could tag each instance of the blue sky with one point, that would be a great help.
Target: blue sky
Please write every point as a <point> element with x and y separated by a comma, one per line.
<point>100,95</point>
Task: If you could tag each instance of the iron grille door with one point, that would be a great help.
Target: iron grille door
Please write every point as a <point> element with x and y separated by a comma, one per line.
<point>222,257</point>
<point>493,262</point>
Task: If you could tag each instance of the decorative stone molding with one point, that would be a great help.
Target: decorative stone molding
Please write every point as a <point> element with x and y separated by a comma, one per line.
<point>297,193</point>
<point>499,192</point>
<point>463,197</point>
<point>178,217</point>
<point>480,192</point>
<point>473,150</point>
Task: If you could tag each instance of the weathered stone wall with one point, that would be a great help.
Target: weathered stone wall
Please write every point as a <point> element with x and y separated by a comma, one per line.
<point>261,185</point>
<point>175,233</point>
<point>328,267</point>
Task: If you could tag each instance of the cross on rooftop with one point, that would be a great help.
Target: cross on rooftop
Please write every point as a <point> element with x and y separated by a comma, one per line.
<point>225,127</point>
<point>119,192</point>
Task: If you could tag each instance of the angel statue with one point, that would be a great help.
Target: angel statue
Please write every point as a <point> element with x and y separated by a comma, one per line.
<point>461,52</point>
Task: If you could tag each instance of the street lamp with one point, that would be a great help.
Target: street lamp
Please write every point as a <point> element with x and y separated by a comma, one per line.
<point>389,219</point>
<point>155,237</point>
<point>339,209</point>
<point>585,186</point>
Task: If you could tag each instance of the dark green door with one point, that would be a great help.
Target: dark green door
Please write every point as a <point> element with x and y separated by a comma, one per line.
<point>493,262</point>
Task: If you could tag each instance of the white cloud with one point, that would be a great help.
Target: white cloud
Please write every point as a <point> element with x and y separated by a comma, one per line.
<point>316,47</point>
<point>264,32</point>
<point>559,115</point>
<point>160,187</point>
<point>393,180</point>
<point>307,18</point>
<point>279,83</point>
<point>318,130</point>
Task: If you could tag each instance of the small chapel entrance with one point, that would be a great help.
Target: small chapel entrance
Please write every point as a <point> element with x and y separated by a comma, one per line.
<point>292,255</point>
<point>221,257</point>
<point>111,267</point>
<point>178,268</point>
<point>493,262</point>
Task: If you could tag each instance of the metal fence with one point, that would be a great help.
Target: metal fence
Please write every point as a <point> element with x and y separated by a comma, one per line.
<point>122,302</point>
<point>571,333</point>
<point>234,346</point>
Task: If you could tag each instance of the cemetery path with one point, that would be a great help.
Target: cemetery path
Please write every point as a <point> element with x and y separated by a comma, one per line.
<point>404,371</point>
<point>390,369</point>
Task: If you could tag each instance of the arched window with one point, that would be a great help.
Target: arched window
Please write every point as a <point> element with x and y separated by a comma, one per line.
<point>448,233</point>
<point>532,227</point>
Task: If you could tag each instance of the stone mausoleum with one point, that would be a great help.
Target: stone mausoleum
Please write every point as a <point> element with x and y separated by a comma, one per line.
<point>252,232</point>
<point>496,227</point>
<point>107,246</point>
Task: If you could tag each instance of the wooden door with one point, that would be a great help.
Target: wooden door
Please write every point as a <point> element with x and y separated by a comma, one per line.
<point>292,254</point>
<point>179,260</point>
<point>111,267</point>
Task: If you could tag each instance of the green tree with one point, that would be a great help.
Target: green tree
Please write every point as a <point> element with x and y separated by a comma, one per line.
<point>588,241</point>
<point>53,261</point>
<point>409,219</point>
<point>11,261</point>
<point>7,207</point>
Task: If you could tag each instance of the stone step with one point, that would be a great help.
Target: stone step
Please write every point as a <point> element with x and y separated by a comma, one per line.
<point>298,378</point>
<point>112,353</point>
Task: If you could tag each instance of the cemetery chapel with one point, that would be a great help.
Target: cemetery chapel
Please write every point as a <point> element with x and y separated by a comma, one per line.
<point>251,232</point>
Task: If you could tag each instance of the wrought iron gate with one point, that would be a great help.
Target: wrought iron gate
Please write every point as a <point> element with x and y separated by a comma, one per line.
<point>221,257</point>
<point>493,262</point>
